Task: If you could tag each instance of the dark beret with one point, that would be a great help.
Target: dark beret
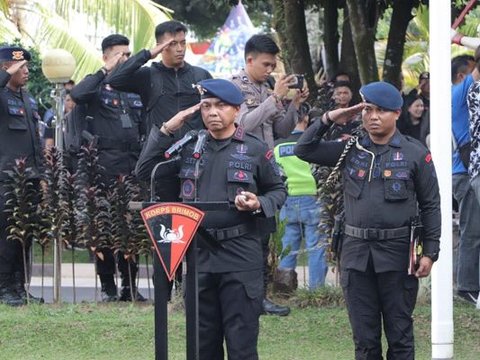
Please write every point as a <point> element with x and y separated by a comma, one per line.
<point>14,53</point>
<point>382,94</point>
<point>223,89</point>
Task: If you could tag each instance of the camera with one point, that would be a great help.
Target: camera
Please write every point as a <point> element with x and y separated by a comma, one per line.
<point>297,82</point>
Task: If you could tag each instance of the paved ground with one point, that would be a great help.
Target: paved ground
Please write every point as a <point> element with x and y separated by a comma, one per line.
<point>85,282</point>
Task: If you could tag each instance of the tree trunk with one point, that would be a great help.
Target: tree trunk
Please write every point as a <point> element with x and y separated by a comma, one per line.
<point>348,60</point>
<point>401,16</point>
<point>298,49</point>
<point>331,37</point>
<point>278,23</point>
<point>363,31</point>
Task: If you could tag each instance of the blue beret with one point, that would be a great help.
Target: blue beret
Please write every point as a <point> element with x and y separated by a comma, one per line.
<point>14,53</point>
<point>382,94</point>
<point>223,89</point>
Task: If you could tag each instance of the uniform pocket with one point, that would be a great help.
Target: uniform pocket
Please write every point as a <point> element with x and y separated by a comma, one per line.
<point>396,190</point>
<point>17,123</point>
<point>187,183</point>
<point>353,187</point>
<point>239,180</point>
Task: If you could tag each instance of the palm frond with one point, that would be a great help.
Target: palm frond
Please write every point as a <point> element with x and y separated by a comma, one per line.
<point>136,19</point>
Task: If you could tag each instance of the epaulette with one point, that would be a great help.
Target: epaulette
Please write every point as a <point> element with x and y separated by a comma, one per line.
<point>239,133</point>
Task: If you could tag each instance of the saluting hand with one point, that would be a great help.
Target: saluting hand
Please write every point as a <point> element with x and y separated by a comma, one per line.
<point>343,115</point>
<point>179,119</point>
<point>16,66</point>
<point>424,268</point>
<point>112,62</point>
<point>247,201</point>
<point>160,47</point>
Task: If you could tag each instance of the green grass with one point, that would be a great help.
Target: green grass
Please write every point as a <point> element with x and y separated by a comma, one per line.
<point>81,256</point>
<point>117,331</point>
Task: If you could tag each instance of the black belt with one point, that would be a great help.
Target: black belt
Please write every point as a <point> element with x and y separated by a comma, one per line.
<point>230,232</point>
<point>377,234</point>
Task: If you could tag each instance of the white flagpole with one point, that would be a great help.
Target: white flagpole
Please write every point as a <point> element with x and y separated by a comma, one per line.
<point>440,138</point>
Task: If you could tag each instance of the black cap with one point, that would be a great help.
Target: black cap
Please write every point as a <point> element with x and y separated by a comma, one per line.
<point>14,53</point>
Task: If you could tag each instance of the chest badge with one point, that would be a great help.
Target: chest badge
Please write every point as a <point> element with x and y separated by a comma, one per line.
<point>387,173</point>
<point>398,156</point>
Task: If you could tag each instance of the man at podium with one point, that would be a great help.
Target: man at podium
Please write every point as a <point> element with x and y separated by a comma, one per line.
<point>222,164</point>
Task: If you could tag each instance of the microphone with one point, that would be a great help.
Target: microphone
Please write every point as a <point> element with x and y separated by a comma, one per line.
<point>178,146</point>
<point>200,144</point>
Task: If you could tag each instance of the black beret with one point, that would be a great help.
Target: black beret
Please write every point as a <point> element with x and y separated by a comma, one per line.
<point>14,53</point>
<point>382,94</point>
<point>223,89</point>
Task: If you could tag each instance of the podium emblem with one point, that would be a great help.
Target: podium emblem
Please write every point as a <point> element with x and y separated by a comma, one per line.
<point>171,227</point>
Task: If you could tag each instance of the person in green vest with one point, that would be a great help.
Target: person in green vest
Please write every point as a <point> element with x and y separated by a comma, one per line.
<point>301,211</point>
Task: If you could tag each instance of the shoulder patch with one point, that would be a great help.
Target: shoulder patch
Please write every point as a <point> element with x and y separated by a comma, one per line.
<point>239,133</point>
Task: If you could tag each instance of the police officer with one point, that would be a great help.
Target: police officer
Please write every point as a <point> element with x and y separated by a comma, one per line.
<point>238,168</point>
<point>119,126</point>
<point>264,114</point>
<point>388,179</point>
<point>19,138</point>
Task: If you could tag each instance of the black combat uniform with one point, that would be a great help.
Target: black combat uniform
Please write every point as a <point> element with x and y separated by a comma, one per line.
<point>230,277</point>
<point>384,187</point>
<point>119,127</point>
<point>19,138</point>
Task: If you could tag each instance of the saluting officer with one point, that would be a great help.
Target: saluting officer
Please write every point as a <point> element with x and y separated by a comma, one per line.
<point>388,179</point>
<point>238,168</point>
<point>119,126</point>
<point>19,138</point>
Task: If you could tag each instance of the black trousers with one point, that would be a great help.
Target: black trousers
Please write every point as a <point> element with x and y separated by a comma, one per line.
<point>229,308</point>
<point>107,265</point>
<point>372,297</point>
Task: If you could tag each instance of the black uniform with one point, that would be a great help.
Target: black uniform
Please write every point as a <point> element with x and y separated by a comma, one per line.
<point>384,187</point>
<point>230,277</point>
<point>164,91</point>
<point>19,138</point>
<point>119,125</point>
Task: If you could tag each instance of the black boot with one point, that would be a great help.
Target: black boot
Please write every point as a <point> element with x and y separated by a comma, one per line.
<point>270,308</point>
<point>19,286</point>
<point>8,295</point>
<point>126,293</point>
<point>109,288</point>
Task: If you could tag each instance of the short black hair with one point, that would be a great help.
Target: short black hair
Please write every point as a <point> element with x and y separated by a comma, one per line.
<point>460,64</point>
<point>261,44</point>
<point>171,27</point>
<point>341,73</point>
<point>114,40</point>
<point>347,84</point>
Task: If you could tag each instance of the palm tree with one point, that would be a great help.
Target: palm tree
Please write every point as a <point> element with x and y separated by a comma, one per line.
<point>77,25</point>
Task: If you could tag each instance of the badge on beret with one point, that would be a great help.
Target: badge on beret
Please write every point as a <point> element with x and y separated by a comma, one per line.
<point>17,55</point>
